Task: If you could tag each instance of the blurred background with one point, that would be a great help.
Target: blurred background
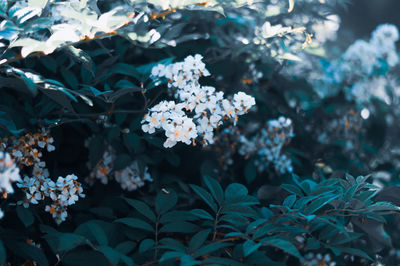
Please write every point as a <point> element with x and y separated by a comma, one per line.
<point>361,17</point>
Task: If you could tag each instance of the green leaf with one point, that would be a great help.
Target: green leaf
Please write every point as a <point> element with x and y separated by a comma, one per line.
<point>198,240</point>
<point>249,247</point>
<point>126,247</point>
<point>289,201</point>
<point>319,203</point>
<point>70,78</point>
<point>207,198</point>
<point>202,214</point>
<point>235,190</point>
<point>145,245</point>
<point>215,188</point>
<point>135,223</point>
<point>61,242</point>
<point>282,244</point>
<point>176,216</point>
<point>143,208</point>
<point>171,255</point>
<point>93,231</point>
<point>208,249</point>
<point>25,215</point>
<point>383,206</point>
<point>169,243</point>
<point>112,255</point>
<point>179,227</point>
<point>356,252</point>
<point>292,189</point>
<point>80,56</point>
<point>165,201</point>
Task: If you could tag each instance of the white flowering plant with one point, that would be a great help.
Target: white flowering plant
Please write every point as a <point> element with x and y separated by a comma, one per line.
<point>196,132</point>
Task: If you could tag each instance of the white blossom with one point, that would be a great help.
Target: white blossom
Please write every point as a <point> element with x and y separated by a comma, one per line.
<point>201,108</point>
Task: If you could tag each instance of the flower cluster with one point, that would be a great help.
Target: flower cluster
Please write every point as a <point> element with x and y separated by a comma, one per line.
<point>346,128</point>
<point>25,150</point>
<point>8,173</point>
<point>311,259</point>
<point>365,62</point>
<point>200,109</point>
<point>63,193</point>
<point>368,56</point>
<point>268,145</point>
<point>130,178</point>
<point>102,170</point>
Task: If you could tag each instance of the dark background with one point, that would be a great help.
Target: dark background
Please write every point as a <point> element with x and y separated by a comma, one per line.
<point>361,17</point>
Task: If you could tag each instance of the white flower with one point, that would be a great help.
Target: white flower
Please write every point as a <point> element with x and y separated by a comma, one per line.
<point>130,178</point>
<point>201,108</point>
<point>8,172</point>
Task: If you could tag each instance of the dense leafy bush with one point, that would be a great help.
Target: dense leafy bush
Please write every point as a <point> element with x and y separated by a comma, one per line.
<point>196,132</point>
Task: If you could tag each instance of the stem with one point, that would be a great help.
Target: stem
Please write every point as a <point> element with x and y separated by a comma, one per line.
<point>215,224</point>
<point>156,239</point>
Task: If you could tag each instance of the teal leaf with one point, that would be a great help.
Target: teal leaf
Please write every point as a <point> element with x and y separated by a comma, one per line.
<point>319,203</point>
<point>282,244</point>
<point>210,248</point>
<point>356,252</point>
<point>25,215</point>
<point>202,214</point>
<point>145,245</point>
<point>135,223</point>
<point>235,190</point>
<point>179,227</point>
<point>61,242</point>
<point>289,201</point>
<point>249,247</point>
<point>142,208</point>
<point>165,201</point>
<point>207,198</point>
<point>215,188</point>
<point>198,240</point>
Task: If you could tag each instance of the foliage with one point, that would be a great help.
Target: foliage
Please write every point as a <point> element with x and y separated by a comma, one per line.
<point>89,88</point>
